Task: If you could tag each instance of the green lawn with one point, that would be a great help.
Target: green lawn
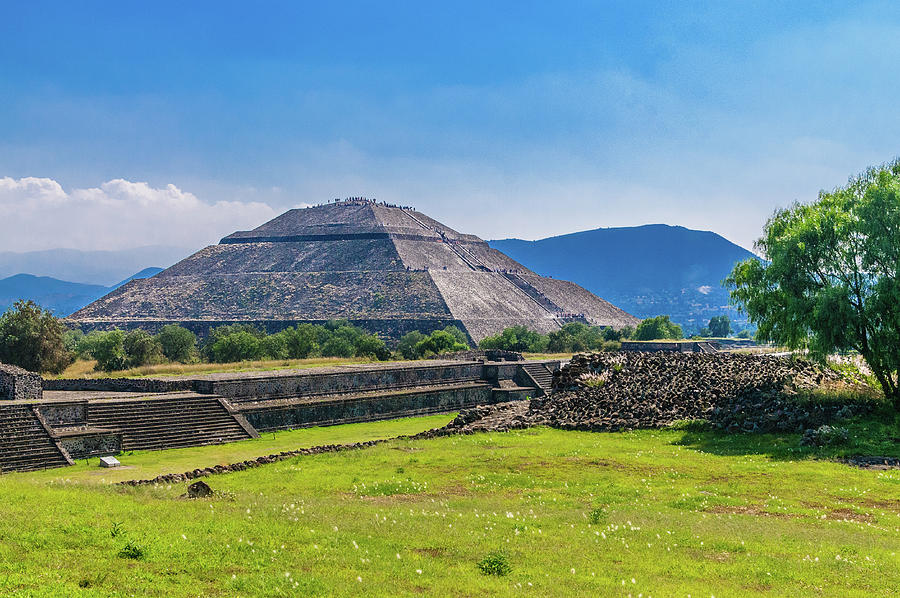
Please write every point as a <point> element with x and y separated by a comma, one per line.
<point>651,513</point>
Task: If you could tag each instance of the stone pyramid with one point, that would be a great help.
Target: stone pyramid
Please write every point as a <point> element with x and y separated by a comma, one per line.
<point>388,269</point>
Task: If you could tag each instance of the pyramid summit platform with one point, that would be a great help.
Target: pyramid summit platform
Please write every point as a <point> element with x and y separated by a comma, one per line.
<point>388,269</point>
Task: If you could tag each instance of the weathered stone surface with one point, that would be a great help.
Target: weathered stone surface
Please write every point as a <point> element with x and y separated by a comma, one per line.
<point>388,269</point>
<point>737,393</point>
<point>17,384</point>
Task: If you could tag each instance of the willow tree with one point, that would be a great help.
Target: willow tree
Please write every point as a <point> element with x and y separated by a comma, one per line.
<point>831,276</point>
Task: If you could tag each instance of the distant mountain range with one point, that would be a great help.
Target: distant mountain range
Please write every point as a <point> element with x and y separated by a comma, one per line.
<point>646,270</point>
<point>59,296</point>
<point>89,267</point>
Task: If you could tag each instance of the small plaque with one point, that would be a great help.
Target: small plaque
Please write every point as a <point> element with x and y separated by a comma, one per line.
<point>109,462</point>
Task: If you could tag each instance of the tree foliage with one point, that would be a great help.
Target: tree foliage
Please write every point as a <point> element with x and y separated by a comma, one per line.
<point>571,338</point>
<point>831,281</point>
<point>32,338</point>
<point>107,347</point>
<point>516,338</point>
<point>177,343</point>
<point>719,326</point>
<point>142,348</point>
<point>660,327</point>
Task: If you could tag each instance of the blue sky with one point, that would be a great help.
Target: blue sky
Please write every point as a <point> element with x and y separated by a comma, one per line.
<point>175,123</point>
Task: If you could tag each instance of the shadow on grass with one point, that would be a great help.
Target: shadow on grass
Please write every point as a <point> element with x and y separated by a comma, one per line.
<point>877,434</point>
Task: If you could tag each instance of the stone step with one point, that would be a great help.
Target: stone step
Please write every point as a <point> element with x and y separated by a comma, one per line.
<point>24,443</point>
<point>151,424</point>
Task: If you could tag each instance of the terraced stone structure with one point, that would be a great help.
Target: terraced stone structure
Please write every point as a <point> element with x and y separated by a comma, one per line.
<point>75,419</point>
<point>388,269</point>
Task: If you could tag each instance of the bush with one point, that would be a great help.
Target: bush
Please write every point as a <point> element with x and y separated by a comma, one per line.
<point>369,345</point>
<point>107,347</point>
<point>235,346</point>
<point>273,346</point>
<point>657,328</point>
<point>516,338</point>
<point>438,342</point>
<point>338,346</point>
<point>407,345</point>
<point>141,349</point>
<point>32,338</point>
<point>496,563</point>
<point>302,341</point>
<point>177,343</point>
<point>216,349</point>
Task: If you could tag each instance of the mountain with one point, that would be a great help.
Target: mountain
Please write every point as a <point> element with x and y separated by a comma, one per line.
<point>646,270</point>
<point>89,267</point>
<point>59,296</point>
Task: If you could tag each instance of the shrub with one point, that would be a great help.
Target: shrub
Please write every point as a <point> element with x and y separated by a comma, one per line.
<point>439,341</point>
<point>407,345</point>
<point>32,338</point>
<point>141,349</point>
<point>495,563</point>
<point>369,345</point>
<point>273,346</point>
<point>218,350</point>
<point>516,338</point>
<point>338,346</point>
<point>177,343</point>
<point>302,341</point>
<point>235,346</point>
<point>107,347</point>
<point>657,328</point>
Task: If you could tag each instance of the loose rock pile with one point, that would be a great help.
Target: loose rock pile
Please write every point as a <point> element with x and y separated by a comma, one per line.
<point>750,393</point>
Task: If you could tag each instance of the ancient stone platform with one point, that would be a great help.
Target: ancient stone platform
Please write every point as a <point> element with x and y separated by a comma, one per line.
<point>83,418</point>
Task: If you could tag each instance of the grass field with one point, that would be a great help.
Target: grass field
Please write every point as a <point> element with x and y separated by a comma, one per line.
<point>84,368</point>
<point>647,513</point>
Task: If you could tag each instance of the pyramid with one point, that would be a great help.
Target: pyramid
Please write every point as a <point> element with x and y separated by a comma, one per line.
<point>388,269</point>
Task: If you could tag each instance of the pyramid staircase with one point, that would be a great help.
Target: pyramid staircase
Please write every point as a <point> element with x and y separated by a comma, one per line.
<point>540,375</point>
<point>173,421</point>
<point>25,444</point>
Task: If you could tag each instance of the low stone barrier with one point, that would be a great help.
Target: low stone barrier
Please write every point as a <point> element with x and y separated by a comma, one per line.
<point>17,384</point>
<point>149,385</point>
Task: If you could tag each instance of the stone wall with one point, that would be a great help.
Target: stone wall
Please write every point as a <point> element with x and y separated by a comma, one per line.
<point>341,410</point>
<point>95,442</point>
<point>17,384</point>
<point>59,414</point>
<point>352,381</point>
<point>120,384</point>
<point>670,346</point>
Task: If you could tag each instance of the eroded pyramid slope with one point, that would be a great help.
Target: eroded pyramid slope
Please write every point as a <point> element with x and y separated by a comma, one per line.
<point>386,268</point>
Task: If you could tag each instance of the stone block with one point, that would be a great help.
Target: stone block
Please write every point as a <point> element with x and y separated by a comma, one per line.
<point>109,462</point>
<point>17,384</point>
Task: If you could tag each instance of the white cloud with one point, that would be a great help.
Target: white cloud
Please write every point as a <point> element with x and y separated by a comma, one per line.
<point>38,213</point>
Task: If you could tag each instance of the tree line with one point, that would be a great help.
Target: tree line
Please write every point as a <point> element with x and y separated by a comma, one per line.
<point>34,339</point>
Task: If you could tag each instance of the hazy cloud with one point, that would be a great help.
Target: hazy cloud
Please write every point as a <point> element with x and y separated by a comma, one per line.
<point>38,213</point>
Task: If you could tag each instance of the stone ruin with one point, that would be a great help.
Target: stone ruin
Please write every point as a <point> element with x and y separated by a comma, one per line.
<point>17,384</point>
<point>388,269</point>
<point>731,392</point>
